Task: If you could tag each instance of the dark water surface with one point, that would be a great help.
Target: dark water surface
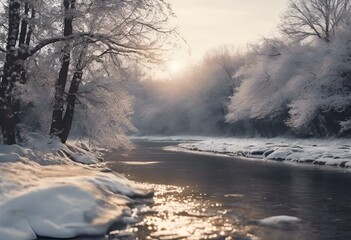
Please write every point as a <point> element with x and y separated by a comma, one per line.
<point>213,197</point>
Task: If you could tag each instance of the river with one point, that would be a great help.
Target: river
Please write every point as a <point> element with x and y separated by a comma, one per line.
<point>216,197</point>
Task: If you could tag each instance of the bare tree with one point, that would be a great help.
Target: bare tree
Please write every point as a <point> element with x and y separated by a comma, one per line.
<point>314,18</point>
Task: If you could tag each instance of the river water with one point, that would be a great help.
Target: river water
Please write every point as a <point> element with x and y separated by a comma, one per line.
<point>215,197</point>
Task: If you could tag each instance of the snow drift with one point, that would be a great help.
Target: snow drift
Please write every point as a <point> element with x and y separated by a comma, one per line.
<point>316,151</point>
<point>44,193</point>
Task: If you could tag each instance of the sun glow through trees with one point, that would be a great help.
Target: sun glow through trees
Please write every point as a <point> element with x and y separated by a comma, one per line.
<point>175,67</point>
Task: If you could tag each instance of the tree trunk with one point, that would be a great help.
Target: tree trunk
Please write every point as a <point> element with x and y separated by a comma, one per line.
<point>71,99</point>
<point>56,122</point>
<point>23,44</point>
<point>25,36</point>
<point>24,26</point>
<point>10,75</point>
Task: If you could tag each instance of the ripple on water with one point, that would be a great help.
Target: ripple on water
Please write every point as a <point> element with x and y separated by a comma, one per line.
<point>178,213</point>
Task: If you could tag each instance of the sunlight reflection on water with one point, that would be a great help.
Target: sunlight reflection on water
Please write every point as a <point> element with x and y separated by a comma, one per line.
<point>180,213</point>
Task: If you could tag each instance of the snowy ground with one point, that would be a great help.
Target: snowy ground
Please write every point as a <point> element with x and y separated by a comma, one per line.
<point>49,189</point>
<point>332,152</point>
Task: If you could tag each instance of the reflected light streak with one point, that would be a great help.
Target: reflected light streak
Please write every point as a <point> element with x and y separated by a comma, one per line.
<point>179,213</point>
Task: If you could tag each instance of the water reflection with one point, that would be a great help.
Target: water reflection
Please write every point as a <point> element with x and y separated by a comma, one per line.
<point>182,213</point>
<point>245,192</point>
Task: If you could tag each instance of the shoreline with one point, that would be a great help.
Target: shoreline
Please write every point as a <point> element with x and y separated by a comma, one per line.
<point>335,153</point>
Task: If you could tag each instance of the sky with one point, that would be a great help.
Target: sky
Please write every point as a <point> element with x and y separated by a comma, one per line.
<point>209,24</point>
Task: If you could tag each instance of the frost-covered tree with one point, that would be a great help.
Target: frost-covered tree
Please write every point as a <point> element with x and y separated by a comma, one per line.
<point>102,108</point>
<point>300,86</point>
<point>314,18</point>
<point>26,26</point>
<point>258,103</point>
<point>304,88</point>
<point>17,48</point>
<point>84,35</point>
<point>117,31</point>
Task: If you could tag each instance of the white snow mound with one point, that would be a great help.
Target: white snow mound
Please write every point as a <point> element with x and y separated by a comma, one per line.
<point>45,193</point>
<point>279,221</point>
<point>332,152</point>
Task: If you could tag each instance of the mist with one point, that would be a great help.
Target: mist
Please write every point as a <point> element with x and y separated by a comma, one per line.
<point>275,88</point>
<point>194,102</point>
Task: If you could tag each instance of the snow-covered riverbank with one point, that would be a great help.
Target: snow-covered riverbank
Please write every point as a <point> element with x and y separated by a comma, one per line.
<point>49,189</point>
<point>332,152</point>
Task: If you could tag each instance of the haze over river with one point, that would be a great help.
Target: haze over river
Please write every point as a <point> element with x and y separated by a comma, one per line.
<point>215,197</point>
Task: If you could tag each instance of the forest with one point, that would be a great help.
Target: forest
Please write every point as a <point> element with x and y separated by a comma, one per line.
<point>64,62</point>
<point>297,84</point>
<point>99,141</point>
<point>76,68</point>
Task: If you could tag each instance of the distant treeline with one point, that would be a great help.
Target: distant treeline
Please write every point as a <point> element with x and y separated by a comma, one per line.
<point>298,84</point>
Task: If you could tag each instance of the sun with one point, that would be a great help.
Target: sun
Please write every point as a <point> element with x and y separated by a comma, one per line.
<point>174,66</point>
<point>171,68</point>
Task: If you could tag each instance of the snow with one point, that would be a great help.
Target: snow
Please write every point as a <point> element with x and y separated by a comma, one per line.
<point>46,191</point>
<point>47,151</point>
<point>279,221</point>
<point>331,152</point>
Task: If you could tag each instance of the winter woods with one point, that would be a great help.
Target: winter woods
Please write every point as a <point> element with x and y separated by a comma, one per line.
<point>297,84</point>
<point>300,83</point>
<point>65,64</point>
<point>72,51</point>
